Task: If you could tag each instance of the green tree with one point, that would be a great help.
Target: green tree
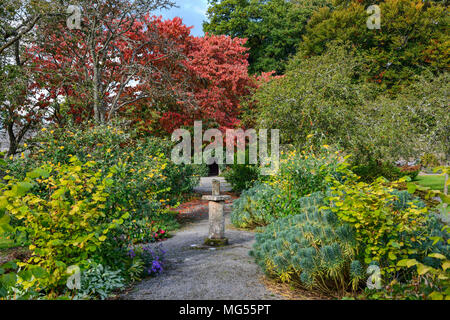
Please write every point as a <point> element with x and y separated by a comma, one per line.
<point>413,36</point>
<point>317,96</point>
<point>325,100</point>
<point>273,27</point>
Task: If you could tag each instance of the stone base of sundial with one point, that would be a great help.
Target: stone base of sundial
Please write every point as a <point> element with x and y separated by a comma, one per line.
<point>216,237</point>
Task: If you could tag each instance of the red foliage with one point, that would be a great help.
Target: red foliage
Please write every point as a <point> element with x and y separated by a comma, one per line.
<point>202,78</point>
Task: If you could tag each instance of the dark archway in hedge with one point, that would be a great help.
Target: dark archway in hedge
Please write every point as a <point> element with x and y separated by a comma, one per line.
<point>213,170</point>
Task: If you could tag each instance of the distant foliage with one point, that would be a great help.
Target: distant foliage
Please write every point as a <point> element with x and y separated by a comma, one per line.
<point>397,52</point>
<point>273,28</point>
<point>241,176</point>
<point>326,96</point>
<point>317,96</point>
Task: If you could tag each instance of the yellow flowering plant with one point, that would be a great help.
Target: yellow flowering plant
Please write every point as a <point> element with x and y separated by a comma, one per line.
<point>61,207</point>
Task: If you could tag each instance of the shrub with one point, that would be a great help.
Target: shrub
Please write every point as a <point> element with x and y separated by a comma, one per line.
<point>428,281</point>
<point>109,146</point>
<point>429,160</point>
<point>63,209</point>
<point>255,207</point>
<point>331,238</point>
<point>391,226</point>
<point>263,204</point>
<point>10,289</point>
<point>372,170</point>
<point>241,176</point>
<point>145,180</point>
<point>387,222</point>
<point>300,174</point>
<point>99,282</point>
<point>318,96</point>
<point>303,173</point>
<point>312,248</point>
<point>410,171</point>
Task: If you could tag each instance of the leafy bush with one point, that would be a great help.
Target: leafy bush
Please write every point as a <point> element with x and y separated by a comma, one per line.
<point>302,173</point>
<point>318,96</point>
<point>241,176</point>
<point>64,209</point>
<point>109,146</point>
<point>312,248</point>
<point>383,232</point>
<point>283,194</point>
<point>389,224</point>
<point>429,161</point>
<point>331,238</point>
<point>372,170</point>
<point>145,180</point>
<point>390,60</point>
<point>410,171</point>
<point>428,281</point>
<point>88,194</point>
<point>99,281</point>
<point>255,207</point>
<point>263,204</point>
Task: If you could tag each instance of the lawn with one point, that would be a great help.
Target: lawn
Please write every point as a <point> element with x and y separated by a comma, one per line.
<point>435,182</point>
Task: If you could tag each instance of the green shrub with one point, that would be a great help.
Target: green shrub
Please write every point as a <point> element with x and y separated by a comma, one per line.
<point>303,173</point>
<point>410,171</point>
<point>312,248</point>
<point>374,169</point>
<point>99,282</point>
<point>326,241</point>
<point>429,160</point>
<point>64,211</point>
<point>390,226</point>
<point>384,224</point>
<point>241,176</point>
<point>263,204</point>
<point>283,194</point>
<point>145,180</point>
<point>108,146</point>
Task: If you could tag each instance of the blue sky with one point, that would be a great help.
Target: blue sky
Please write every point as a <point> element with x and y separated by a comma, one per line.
<point>193,13</point>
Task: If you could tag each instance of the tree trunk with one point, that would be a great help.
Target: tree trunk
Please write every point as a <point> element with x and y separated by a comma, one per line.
<point>445,185</point>
<point>96,96</point>
<point>12,140</point>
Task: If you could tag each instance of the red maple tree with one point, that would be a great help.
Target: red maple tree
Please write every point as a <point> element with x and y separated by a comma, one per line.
<point>153,72</point>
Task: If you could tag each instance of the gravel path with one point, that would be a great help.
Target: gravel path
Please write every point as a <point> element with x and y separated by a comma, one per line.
<point>193,272</point>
